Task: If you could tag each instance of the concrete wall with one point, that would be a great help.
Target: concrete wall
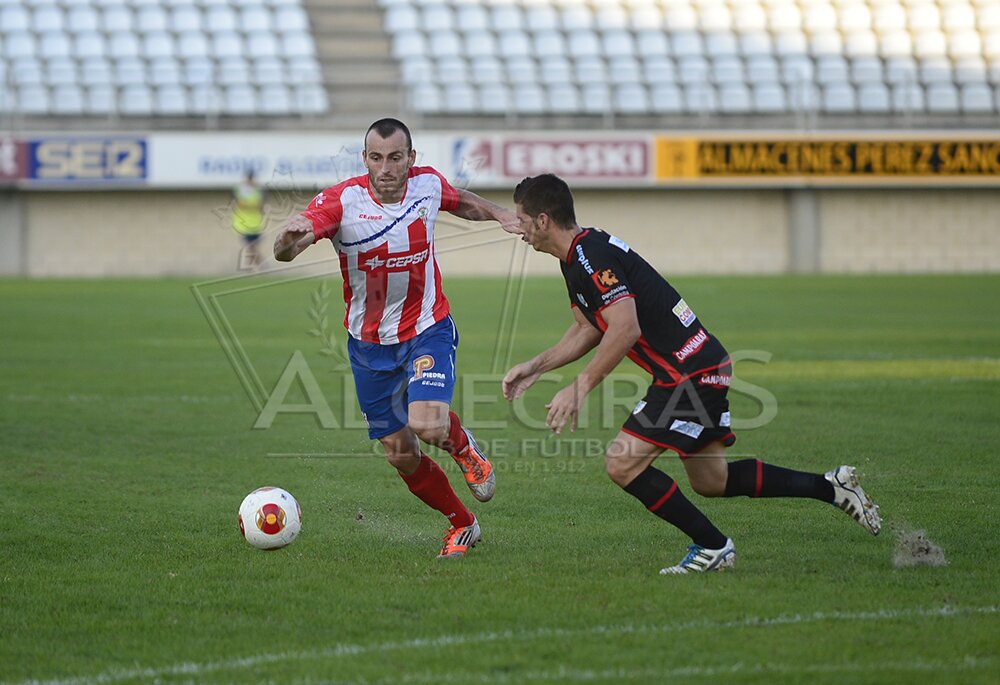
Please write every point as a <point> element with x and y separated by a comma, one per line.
<point>680,231</point>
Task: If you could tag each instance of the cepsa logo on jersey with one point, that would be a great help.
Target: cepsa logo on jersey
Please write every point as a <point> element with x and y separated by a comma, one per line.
<point>403,261</point>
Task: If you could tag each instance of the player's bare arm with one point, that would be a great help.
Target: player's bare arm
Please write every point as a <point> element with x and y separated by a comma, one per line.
<point>294,237</point>
<point>621,334</point>
<point>578,340</point>
<point>476,208</point>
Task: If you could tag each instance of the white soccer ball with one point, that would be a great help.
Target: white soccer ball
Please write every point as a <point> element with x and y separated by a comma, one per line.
<point>270,518</point>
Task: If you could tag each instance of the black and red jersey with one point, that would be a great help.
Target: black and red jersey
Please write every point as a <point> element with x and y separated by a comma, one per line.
<point>601,269</point>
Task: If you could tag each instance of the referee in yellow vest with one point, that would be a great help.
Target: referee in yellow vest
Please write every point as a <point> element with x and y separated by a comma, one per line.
<point>248,219</point>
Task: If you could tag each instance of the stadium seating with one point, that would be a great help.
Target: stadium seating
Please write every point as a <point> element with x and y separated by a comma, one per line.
<point>728,57</point>
<point>171,58</point>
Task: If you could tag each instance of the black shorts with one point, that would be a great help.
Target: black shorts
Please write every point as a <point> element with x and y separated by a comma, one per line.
<point>686,417</point>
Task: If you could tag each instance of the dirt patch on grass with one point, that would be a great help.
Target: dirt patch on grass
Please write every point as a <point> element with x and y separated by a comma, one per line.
<point>914,548</point>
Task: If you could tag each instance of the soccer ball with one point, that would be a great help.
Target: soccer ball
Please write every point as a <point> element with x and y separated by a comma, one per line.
<point>270,518</point>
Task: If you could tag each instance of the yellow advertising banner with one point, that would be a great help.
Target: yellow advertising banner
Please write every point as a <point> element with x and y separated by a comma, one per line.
<point>707,159</point>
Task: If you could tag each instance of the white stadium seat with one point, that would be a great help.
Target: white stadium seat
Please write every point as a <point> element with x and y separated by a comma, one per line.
<point>32,99</point>
<point>728,70</point>
<point>171,100</point>
<point>135,100</point>
<point>239,100</point>
<point>61,71</point>
<point>451,70</point>
<point>735,98</point>
<point>469,18</point>
<point>275,99</point>
<point>659,70</point>
<point>942,98</point>
<point>564,98</point>
<point>480,44</point>
<point>100,99</point>
<point>693,69</point>
<point>529,98</point>
<point>46,18</point>
<point>700,98</point>
<point>494,98</point>
<point>769,98</point>
<point>764,68</point>
<point>874,98</point>
<point>439,18</point>
<point>667,98</point>
<point>556,70</point>
<point>596,98</point>
<point>977,98</point>
<point>83,18</point>
<point>631,98</point>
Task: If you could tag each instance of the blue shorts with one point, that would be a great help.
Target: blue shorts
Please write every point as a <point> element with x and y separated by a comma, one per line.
<point>389,377</point>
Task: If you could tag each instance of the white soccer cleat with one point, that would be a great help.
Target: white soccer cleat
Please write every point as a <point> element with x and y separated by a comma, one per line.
<point>458,541</point>
<point>850,496</point>
<point>700,559</point>
<point>477,470</point>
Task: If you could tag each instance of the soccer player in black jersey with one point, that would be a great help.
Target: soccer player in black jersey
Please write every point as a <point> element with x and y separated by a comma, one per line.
<point>624,308</point>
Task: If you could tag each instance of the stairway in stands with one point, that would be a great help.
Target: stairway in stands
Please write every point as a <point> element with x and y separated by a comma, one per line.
<point>361,76</point>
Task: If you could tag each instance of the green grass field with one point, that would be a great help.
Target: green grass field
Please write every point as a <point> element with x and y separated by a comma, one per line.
<point>127,442</point>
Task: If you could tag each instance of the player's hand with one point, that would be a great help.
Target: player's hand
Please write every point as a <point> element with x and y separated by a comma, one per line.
<point>564,409</point>
<point>509,222</point>
<point>519,379</point>
<point>295,236</point>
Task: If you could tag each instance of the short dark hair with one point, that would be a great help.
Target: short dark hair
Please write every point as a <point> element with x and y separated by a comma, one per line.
<point>386,127</point>
<point>548,194</point>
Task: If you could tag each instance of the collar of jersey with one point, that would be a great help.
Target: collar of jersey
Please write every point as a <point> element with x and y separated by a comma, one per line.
<point>572,246</point>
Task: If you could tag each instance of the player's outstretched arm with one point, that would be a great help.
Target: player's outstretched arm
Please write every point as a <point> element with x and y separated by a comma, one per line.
<point>621,334</point>
<point>580,339</point>
<point>294,237</point>
<point>476,208</point>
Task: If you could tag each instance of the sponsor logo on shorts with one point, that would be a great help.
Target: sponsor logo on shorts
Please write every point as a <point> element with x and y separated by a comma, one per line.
<point>421,365</point>
<point>692,345</point>
<point>684,313</point>
<point>718,380</point>
<point>725,420</point>
<point>688,428</point>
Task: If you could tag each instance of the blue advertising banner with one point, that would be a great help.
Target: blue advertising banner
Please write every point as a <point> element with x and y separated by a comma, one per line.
<point>88,160</point>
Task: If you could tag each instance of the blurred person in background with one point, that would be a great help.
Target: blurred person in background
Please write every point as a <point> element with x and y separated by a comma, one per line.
<point>248,219</point>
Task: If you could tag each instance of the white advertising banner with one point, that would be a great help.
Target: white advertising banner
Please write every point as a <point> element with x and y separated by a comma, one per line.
<point>583,159</point>
<point>313,161</point>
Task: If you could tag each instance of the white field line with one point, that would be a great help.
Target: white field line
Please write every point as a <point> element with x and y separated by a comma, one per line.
<point>195,669</point>
<point>967,663</point>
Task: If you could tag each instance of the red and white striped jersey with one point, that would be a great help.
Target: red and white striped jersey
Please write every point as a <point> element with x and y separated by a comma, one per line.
<point>392,283</point>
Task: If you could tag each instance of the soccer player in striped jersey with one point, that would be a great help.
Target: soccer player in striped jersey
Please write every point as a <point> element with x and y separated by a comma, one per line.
<point>402,339</point>
<point>623,307</point>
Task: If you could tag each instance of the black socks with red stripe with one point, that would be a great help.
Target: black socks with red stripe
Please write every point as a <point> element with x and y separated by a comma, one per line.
<point>660,494</point>
<point>754,478</point>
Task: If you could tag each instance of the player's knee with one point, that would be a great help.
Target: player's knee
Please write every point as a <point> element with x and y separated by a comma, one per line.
<point>708,485</point>
<point>619,468</point>
<point>403,460</point>
<point>433,433</point>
